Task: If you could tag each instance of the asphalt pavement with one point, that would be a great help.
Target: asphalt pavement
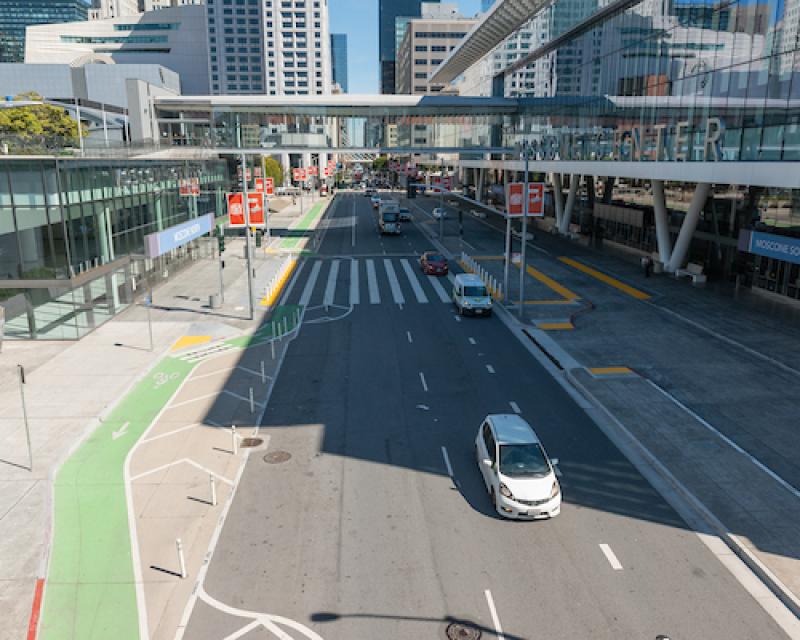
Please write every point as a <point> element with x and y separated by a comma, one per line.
<point>367,517</point>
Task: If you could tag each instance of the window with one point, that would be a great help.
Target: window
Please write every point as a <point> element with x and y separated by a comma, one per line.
<point>488,440</point>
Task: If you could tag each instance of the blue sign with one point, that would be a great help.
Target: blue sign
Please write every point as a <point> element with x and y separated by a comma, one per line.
<point>770,245</point>
<point>157,244</point>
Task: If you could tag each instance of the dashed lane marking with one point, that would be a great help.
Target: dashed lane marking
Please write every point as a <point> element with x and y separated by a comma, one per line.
<point>515,407</point>
<point>611,557</point>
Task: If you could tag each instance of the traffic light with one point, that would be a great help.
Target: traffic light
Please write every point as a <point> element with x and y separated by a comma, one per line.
<point>259,235</point>
<point>221,241</point>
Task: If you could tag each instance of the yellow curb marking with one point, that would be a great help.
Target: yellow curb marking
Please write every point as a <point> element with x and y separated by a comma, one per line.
<point>552,284</point>
<point>610,371</point>
<point>613,282</point>
<point>189,341</point>
<point>555,326</point>
<point>268,301</point>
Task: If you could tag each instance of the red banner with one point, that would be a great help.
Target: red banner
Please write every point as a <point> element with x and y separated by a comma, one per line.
<point>260,186</point>
<point>236,210</point>
<point>269,186</point>
<point>515,204</point>
<point>257,214</point>
<point>312,171</point>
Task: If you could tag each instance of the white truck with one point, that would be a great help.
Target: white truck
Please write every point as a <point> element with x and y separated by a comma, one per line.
<point>389,217</point>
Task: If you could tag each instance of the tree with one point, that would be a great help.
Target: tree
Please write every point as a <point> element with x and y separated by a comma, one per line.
<point>37,120</point>
<point>274,170</point>
<point>379,164</point>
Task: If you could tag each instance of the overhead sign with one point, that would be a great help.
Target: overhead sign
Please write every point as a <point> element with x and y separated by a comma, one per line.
<point>236,217</point>
<point>515,207</point>
<point>770,245</point>
<point>257,210</point>
<point>157,244</point>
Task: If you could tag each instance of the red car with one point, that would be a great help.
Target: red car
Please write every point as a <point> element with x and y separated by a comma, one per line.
<point>434,264</point>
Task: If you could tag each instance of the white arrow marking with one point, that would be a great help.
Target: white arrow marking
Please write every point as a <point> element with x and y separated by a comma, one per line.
<point>122,432</point>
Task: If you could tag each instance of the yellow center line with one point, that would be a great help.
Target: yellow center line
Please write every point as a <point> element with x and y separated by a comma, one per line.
<point>613,282</point>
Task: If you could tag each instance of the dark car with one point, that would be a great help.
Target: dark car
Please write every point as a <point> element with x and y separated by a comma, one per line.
<point>433,263</point>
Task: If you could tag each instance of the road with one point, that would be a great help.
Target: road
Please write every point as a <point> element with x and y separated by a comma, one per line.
<point>364,533</point>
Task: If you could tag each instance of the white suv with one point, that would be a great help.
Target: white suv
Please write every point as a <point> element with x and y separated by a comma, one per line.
<point>519,477</point>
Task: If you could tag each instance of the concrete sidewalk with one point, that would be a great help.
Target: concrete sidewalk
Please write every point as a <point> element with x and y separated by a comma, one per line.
<point>73,387</point>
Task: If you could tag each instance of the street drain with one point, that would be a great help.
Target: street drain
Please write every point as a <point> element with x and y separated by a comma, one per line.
<point>249,443</point>
<point>276,457</point>
<point>462,631</point>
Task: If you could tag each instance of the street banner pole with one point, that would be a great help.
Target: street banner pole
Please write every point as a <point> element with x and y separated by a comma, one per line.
<point>506,270</point>
<point>248,239</point>
<point>525,205</point>
<point>21,370</point>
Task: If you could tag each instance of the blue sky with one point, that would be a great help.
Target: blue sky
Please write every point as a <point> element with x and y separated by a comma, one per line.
<point>359,20</point>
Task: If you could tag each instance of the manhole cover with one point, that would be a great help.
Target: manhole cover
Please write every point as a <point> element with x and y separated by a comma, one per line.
<point>462,631</point>
<point>276,457</point>
<point>248,443</point>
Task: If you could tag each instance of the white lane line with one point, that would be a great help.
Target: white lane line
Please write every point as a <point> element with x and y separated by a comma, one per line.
<point>410,339</point>
<point>305,298</point>
<point>515,407</point>
<point>372,283</point>
<point>611,557</point>
<point>495,619</point>
<point>472,341</point>
<point>170,433</point>
<point>330,289</point>
<point>458,318</point>
<point>422,379</point>
<point>355,223</point>
<point>412,280</point>
<point>244,630</point>
<point>447,462</point>
<point>355,294</point>
<point>439,289</point>
<point>293,281</point>
<point>394,283</point>
<point>490,368</point>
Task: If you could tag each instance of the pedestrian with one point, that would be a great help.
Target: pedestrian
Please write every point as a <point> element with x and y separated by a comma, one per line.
<point>647,263</point>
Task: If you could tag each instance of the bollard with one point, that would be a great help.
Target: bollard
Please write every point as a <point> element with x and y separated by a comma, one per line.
<point>213,491</point>
<point>263,374</point>
<point>181,560</point>
<point>272,346</point>
<point>252,402</point>
<point>285,325</point>
<point>234,441</point>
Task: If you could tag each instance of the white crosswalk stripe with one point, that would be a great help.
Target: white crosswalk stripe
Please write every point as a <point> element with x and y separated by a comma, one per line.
<point>440,290</point>
<point>330,289</point>
<point>372,283</point>
<point>412,280</point>
<point>355,294</point>
<point>397,293</point>
<point>305,298</point>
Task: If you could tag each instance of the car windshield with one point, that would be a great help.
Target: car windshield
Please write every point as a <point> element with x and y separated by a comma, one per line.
<point>523,460</point>
<point>475,292</point>
<point>390,217</point>
<point>435,257</point>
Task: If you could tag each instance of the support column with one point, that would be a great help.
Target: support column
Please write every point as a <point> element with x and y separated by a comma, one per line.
<point>608,189</point>
<point>688,227</point>
<point>287,169</point>
<point>480,185</point>
<point>574,182</point>
<point>558,198</point>
<point>662,222</point>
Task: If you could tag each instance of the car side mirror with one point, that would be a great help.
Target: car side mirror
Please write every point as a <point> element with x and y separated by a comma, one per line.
<point>554,461</point>
<point>488,462</point>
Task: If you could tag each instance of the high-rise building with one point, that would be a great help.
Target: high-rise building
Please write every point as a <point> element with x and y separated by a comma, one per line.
<point>102,9</point>
<point>17,15</point>
<point>388,12</point>
<point>339,60</point>
<point>270,47</point>
<point>426,43</point>
<point>153,5</point>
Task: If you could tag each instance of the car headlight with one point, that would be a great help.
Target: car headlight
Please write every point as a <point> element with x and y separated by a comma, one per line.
<point>555,490</point>
<point>505,491</point>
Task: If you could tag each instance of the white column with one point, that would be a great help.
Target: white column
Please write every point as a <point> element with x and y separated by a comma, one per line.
<point>662,222</point>
<point>574,182</point>
<point>287,169</point>
<point>479,193</point>
<point>558,198</point>
<point>688,227</point>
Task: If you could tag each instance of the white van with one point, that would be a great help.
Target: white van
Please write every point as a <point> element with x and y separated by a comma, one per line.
<point>470,295</point>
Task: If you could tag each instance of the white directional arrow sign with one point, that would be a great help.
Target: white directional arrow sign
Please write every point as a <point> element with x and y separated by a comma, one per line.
<point>122,431</point>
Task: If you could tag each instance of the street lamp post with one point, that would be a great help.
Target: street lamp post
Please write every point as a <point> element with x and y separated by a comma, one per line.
<point>21,371</point>
<point>441,201</point>
<point>525,152</point>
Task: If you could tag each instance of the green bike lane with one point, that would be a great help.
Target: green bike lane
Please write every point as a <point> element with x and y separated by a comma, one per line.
<point>90,590</point>
<point>307,223</point>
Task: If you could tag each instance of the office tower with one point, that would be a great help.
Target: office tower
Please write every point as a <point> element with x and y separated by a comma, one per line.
<point>103,9</point>
<point>270,47</point>
<point>16,16</point>
<point>427,41</point>
<point>339,60</point>
<point>153,5</point>
<point>388,12</point>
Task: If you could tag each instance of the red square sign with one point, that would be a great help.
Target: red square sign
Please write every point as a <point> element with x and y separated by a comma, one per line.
<point>257,210</point>
<point>236,217</point>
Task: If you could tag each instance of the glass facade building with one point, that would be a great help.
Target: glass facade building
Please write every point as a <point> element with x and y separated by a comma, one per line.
<point>72,237</point>
<point>339,59</point>
<point>15,15</point>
